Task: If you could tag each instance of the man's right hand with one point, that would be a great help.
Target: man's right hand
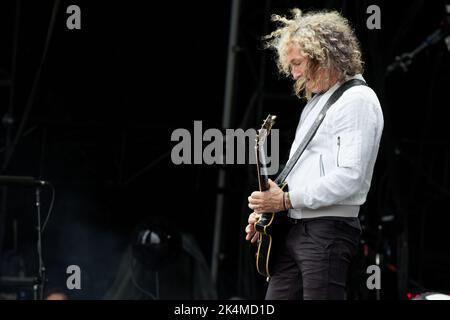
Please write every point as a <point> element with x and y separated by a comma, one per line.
<point>252,234</point>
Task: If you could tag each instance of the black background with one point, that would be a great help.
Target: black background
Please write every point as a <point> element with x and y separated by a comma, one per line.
<point>110,95</point>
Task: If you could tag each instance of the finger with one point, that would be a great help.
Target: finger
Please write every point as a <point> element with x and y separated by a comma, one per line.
<point>255,237</point>
<point>253,218</point>
<point>256,195</point>
<point>256,215</point>
<point>256,207</point>
<point>259,210</point>
<point>254,200</point>
<point>250,235</point>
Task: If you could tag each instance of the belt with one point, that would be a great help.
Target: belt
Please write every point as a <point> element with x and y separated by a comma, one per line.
<point>294,221</point>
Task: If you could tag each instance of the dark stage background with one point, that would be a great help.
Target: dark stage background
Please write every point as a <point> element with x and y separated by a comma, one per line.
<point>92,111</point>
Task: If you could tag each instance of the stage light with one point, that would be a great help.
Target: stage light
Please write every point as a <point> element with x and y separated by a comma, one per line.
<point>431,296</point>
<point>437,296</point>
<point>155,246</point>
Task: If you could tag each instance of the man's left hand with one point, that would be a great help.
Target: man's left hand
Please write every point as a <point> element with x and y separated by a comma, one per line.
<point>270,200</point>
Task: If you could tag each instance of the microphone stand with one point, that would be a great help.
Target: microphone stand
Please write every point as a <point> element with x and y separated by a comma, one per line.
<point>403,61</point>
<point>38,287</point>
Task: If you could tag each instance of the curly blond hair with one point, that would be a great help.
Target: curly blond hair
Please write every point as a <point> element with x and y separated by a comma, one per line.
<point>325,38</point>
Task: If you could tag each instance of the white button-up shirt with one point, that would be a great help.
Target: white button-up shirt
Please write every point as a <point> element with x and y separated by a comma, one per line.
<point>333,175</point>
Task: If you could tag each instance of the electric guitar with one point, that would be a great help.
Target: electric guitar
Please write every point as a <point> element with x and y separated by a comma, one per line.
<point>269,227</point>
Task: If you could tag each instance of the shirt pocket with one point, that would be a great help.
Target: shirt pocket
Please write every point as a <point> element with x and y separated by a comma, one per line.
<point>348,153</point>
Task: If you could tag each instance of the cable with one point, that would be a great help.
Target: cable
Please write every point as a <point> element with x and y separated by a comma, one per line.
<point>50,208</point>
<point>9,153</point>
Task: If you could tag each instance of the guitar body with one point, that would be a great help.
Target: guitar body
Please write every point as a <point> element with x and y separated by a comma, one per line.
<point>272,228</point>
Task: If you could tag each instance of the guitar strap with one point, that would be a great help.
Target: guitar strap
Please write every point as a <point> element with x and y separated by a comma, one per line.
<point>312,131</point>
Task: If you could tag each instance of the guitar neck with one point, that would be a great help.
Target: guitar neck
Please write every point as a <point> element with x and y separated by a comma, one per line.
<point>263,182</point>
<point>263,177</point>
<point>261,161</point>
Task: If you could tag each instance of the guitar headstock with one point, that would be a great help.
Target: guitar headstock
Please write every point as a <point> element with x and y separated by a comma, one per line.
<point>265,129</point>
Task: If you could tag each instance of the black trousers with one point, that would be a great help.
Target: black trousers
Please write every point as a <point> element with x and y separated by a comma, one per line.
<point>314,260</point>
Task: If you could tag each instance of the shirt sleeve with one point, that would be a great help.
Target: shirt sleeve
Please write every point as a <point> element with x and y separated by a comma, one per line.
<point>354,128</point>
